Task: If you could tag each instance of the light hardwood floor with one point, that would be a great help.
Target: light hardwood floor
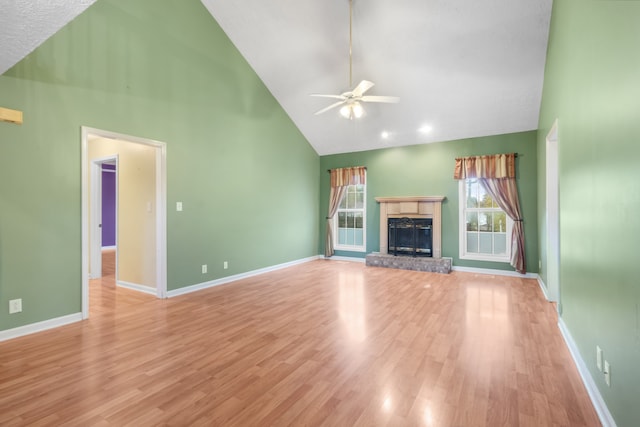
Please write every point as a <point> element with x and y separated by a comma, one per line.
<point>323,343</point>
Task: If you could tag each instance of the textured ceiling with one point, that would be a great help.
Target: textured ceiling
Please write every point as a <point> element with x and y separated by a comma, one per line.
<point>25,24</point>
<point>465,68</point>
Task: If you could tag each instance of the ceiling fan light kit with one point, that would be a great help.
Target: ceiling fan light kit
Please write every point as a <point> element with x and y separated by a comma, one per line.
<point>351,100</point>
<point>351,111</point>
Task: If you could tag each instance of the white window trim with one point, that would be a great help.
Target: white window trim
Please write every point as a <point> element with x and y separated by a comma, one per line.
<point>363,248</point>
<point>462,200</point>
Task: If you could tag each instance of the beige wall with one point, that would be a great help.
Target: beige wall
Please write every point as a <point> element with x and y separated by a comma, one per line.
<point>136,238</point>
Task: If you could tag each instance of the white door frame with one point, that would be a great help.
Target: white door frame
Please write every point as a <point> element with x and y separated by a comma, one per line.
<point>95,200</point>
<point>553,218</point>
<point>161,211</point>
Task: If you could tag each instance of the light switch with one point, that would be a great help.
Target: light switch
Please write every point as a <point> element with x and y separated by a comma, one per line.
<point>179,206</point>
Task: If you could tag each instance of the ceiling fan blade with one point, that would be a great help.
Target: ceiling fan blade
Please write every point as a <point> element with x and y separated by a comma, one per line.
<point>390,99</point>
<point>362,87</point>
<point>329,107</point>
<point>329,96</point>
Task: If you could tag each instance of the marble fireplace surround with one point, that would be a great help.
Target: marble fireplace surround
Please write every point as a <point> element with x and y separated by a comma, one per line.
<point>412,207</point>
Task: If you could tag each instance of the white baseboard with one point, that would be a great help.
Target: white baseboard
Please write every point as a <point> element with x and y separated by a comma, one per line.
<point>454,268</point>
<point>229,279</point>
<point>137,287</point>
<point>39,326</point>
<point>344,258</point>
<point>495,272</point>
<point>543,288</point>
<point>594,393</point>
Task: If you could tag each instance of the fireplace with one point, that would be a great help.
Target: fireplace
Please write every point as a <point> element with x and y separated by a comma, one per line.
<point>416,207</point>
<point>410,236</point>
<point>403,220</point>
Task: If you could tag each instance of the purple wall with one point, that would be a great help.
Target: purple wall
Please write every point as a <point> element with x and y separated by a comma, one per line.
<point>108,206</point>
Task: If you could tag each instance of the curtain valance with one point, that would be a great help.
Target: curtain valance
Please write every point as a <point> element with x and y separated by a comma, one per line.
<point>496,166</point>
<point>343,177</point>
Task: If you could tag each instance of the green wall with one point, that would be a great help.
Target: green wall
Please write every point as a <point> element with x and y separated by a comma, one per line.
<point>592,86</point>
<point>162,70</point>
<point>427,170</point>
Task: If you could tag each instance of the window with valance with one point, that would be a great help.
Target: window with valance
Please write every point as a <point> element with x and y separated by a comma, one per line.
<point>347,210</point>
<point>488,189</point>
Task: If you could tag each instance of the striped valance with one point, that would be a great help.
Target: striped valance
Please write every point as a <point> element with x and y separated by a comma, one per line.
<point>492,167</point>
<point>342,177</point>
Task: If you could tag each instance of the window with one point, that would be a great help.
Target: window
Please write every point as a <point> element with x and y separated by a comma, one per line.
<point>485,229</point>
<point>350,220</point>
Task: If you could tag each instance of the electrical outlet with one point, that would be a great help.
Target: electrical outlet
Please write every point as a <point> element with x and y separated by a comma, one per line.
<point>226,265</point>
<point>15,306</point>
<point>599,358</point>
<point>179,206</point>
<point>607,373</point>
<point>204,268</point>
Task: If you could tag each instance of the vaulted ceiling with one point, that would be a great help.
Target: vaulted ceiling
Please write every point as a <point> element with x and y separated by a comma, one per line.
<point>461,68</point>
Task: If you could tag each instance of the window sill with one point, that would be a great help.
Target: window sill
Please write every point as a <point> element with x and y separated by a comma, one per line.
<point>349,248</point>
<point>485,258</point>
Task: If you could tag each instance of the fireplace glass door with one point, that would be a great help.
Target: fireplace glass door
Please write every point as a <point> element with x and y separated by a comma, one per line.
<point>410,236</point>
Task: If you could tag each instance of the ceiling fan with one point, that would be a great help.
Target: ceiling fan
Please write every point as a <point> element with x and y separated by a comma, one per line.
<point>351,100</point>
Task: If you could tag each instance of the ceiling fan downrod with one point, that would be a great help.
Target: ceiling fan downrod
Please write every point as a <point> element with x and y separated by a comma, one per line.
<point>350,101</point>
<point>350,43</point>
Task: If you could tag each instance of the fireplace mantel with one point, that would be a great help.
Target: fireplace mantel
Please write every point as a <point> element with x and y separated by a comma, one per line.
<point>412,207</point>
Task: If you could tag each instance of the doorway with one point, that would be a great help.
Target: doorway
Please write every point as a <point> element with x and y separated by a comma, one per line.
<point>103,201</point>
<point>141,264</point>
<point>553,220</point>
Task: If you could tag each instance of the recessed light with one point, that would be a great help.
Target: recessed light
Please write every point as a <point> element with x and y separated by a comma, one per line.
<point>384,134</point>
<point>425,129</point>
